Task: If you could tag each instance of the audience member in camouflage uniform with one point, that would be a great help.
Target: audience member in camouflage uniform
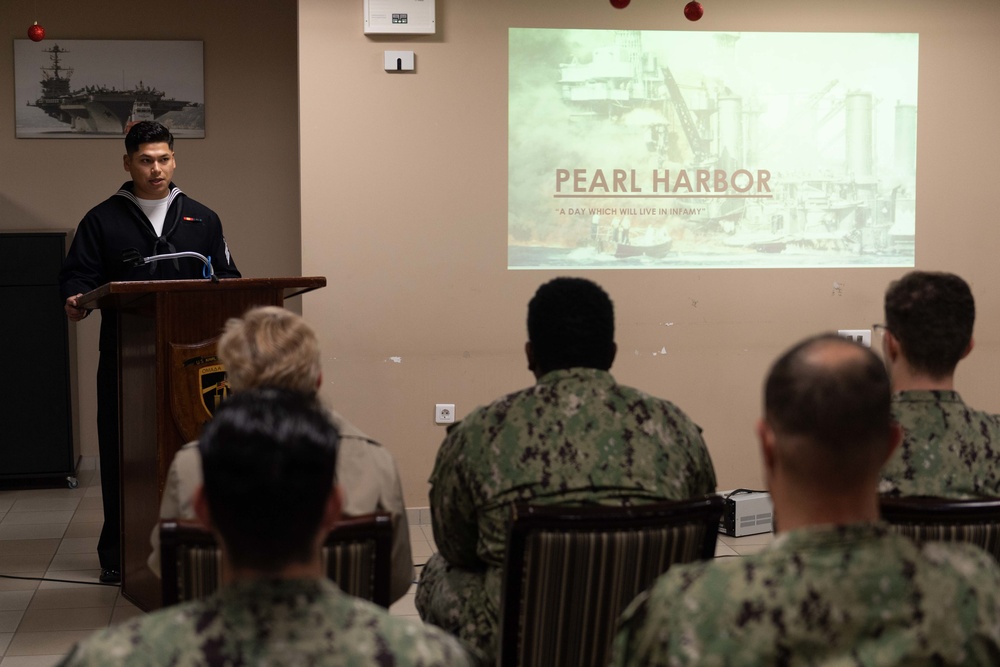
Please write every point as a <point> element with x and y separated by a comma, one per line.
<point>948,448</point>
<point>835,587</point>
<point>575,437</point>
<point>269,459</point>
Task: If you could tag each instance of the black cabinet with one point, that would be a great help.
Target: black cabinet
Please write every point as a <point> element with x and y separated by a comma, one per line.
<point>36,348</point>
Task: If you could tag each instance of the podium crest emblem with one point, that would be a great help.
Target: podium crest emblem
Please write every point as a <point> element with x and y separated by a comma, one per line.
<point>198,385</point>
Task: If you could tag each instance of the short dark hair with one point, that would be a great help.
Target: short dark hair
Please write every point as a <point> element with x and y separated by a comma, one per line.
<point>147,132</point>
<point>834,395</point>
<point>931,315</point>
<point>269,460</point>
<point>571,323</point>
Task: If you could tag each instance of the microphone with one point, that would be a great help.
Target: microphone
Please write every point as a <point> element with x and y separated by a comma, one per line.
<point>133,258</point>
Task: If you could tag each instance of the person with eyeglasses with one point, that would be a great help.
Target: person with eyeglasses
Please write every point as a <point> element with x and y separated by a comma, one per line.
<point>949,449</point>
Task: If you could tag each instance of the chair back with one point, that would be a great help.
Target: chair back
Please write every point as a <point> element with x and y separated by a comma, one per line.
<point>356,555</point>
<point>571,571</point>
<point>929,519</point>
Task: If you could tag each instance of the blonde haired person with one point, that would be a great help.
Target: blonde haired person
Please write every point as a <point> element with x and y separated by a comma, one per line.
<point>271,346</point>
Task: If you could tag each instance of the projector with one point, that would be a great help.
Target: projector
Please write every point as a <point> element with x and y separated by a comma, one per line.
<point>746,513</point>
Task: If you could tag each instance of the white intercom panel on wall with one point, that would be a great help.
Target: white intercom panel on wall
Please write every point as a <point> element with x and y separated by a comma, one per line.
<point>415,17</point>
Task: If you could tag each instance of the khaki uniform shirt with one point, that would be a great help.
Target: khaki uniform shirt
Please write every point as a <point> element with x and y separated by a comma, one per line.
<point>366,473</point>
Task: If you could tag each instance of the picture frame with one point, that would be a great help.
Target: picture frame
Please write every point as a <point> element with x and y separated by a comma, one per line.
<point>86,89</point>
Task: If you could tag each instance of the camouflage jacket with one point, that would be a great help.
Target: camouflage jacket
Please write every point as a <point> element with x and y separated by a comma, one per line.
<point>574,437</point>
<point>270,623</point>
<point>828,595</point>
<point>948,449</point>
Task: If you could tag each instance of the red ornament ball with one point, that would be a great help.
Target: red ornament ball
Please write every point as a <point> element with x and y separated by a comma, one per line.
<point>620,4</point>
<point>693,11</point>
<point>36,33</point>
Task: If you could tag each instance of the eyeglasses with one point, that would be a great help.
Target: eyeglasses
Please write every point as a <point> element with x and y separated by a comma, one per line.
<point>880,329</point>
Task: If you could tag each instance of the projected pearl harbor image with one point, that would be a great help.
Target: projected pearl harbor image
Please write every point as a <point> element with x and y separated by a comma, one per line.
<point>652,149</point>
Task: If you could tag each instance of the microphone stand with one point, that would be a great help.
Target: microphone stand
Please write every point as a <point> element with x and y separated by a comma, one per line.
<point>132,257</point>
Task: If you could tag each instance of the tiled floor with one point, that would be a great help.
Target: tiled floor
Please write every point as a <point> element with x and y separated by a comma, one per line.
<point>49,593</point>
<point>742,546</point>
<point>422,546</point>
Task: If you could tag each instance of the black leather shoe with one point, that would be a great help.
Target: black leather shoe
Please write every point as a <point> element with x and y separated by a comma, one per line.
<point>109,576</point>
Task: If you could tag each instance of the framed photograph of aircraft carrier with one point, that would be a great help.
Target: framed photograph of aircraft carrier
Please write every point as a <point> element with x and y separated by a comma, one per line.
<point>86,89</point>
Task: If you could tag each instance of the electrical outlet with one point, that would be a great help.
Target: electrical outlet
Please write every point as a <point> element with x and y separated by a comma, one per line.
<point>863,336</point>
<point>444,413</point>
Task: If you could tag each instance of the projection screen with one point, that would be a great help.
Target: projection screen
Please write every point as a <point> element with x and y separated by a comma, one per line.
<point>660,150</point>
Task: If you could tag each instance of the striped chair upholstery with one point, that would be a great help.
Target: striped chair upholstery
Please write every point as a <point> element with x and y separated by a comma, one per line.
<point>571,571</point>
<point>356,555</point>
<point>928,519</point>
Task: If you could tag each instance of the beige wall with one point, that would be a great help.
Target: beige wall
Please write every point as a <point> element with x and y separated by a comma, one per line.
<point>246,168</point>
<point>404,206</point>
<point>403,203</point>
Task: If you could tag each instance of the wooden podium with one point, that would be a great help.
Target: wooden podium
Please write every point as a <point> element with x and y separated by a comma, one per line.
<point>167,368</point>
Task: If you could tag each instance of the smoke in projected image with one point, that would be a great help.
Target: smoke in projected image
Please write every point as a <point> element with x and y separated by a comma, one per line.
<point>659,150</point>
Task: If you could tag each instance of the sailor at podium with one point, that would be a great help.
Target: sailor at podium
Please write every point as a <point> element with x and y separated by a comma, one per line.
<point>151,215</point>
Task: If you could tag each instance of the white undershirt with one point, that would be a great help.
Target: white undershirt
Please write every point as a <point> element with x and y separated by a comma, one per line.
<point>156,211</point>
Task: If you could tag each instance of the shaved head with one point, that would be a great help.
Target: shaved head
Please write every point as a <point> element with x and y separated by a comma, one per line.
<point>827,401</point>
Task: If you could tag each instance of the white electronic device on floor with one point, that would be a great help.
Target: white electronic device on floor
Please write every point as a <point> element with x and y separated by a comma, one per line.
<point>746,513</point>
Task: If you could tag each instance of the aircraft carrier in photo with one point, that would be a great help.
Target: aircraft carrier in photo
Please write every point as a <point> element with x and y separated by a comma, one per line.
<point>103,109</point>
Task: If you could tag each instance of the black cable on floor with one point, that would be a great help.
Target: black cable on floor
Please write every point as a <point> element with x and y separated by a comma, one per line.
<point>61,581</point>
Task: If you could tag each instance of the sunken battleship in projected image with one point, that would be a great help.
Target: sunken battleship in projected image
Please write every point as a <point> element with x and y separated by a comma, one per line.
<point>830,193</point>
<point>98,109</point>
